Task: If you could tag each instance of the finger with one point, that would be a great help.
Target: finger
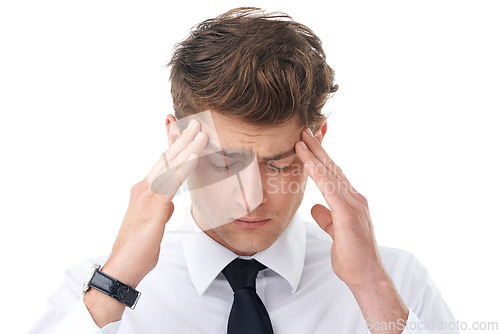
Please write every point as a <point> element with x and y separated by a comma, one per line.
<point>164,177</point>
<point>195,146</point>
<point>323,217</point>
<point>329,189</point>
<point>168,183</point>
<point>355,199</point>
<point>183,140</point>
<point>320,153</point>
<point>327,182</point>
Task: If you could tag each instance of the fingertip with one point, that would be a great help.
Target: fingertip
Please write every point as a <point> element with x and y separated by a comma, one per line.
<point>318,136</point>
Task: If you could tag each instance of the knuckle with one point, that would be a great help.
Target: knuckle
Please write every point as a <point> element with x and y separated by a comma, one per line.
<point>139,188</point>
<point>134,189</point>
<point>362,199</point>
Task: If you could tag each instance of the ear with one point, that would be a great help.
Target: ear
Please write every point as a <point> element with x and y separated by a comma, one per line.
<point>320,133</point>
<point>172,129</point>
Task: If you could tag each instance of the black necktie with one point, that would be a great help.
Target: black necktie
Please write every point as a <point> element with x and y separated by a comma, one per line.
<point>248,314</point>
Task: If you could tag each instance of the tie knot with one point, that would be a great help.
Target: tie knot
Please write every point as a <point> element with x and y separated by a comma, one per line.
<point>242,273</point>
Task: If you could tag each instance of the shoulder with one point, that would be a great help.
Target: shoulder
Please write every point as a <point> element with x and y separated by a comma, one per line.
<point>395,257</point>
<point>318,247</point>
<point>409,275</point>
<point>79,271</point>
<point>400,264</point>
<point>315,235</point>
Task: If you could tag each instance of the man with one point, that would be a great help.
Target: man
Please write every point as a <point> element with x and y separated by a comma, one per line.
<point>248,89</point>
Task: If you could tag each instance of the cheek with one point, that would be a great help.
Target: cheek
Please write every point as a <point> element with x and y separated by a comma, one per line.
<point>216,195</point>
<point>287,184</point>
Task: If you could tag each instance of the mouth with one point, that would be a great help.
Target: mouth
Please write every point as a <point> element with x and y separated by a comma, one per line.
<point>251,222</point>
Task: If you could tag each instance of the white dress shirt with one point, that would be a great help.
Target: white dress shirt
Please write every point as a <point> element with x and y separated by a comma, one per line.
<point>186,292</point>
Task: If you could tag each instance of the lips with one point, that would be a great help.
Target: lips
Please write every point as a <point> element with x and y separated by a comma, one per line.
<point>252,219</point>
<point>251,222</point>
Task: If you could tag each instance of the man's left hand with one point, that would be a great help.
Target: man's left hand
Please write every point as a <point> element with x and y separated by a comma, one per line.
<point>355,257</point>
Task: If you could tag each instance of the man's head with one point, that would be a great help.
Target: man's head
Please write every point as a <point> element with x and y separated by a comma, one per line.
<point>264,79</point>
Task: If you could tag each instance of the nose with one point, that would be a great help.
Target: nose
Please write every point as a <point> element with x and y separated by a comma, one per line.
<point>250,194</point>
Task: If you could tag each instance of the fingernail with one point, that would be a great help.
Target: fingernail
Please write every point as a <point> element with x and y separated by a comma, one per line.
<point>309,132</point>
<point>304,145</point>
<point>192,123</point>
<point>198,136</point>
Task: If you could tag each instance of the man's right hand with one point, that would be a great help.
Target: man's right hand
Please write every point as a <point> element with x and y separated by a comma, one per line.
<point>137,247</point>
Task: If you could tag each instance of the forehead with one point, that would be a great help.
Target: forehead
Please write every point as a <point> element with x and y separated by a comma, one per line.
<point>229,133</point>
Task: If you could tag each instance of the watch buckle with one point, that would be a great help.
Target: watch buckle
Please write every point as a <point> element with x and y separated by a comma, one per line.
<point>86,286</point>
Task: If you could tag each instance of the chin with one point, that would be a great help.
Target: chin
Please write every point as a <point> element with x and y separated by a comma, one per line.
<point>251,240</point>
<point>246,245</point>
<point>248,251</point>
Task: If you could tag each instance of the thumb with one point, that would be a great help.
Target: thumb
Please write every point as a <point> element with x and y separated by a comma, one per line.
<point>323,217</point>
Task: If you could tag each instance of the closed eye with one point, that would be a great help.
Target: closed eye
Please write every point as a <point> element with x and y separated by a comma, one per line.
<point>228,167</point>
<point>221,168</point>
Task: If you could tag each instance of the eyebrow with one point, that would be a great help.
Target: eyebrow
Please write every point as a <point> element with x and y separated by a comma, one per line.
<point>238,154</point>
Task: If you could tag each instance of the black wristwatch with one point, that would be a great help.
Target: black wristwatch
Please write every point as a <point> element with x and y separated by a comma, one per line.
<point>110,286</point>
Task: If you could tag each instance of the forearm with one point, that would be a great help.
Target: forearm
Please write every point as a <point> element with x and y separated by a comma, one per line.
<point>382,307</point>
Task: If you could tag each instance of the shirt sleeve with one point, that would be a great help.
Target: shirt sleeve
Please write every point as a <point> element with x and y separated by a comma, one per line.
<point>414,325</point>
<point>428,312</point>
<point>66,312</point>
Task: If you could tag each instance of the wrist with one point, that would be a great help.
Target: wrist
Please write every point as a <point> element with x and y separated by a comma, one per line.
<point>122,273</point>
<point>111,287</point>
<point>379,301</point>
<point>374,280</point>
<point>103,308</point>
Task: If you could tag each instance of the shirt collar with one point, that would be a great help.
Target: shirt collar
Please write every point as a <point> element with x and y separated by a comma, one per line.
<point>205,257</point>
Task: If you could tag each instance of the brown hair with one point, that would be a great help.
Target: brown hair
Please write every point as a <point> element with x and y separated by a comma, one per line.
<point>259,67</point>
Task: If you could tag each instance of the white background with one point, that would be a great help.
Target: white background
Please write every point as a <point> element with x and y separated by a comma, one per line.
<point>414,126</point>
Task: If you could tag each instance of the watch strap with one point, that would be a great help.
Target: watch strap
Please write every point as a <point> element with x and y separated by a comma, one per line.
<point>114,288</point>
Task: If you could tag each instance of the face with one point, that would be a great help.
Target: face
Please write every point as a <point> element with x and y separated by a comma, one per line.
<point>248,183</point>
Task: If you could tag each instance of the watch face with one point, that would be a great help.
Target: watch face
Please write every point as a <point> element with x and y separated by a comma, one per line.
<point>86,285</point>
